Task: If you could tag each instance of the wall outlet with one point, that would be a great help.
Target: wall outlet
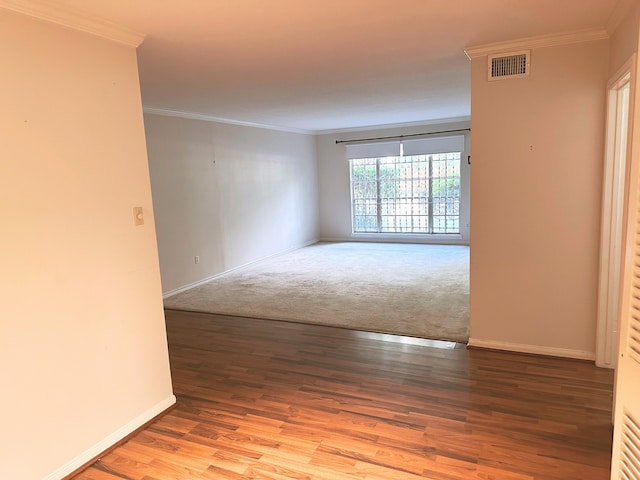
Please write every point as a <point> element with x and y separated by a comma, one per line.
<point>196,259</point>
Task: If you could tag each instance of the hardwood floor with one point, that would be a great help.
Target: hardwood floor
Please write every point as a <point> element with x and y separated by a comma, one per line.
<point>261,399</point>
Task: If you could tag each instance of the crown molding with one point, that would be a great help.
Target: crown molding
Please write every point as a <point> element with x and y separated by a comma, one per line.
<point>371,128</point>
<point>578,36</point>
<point>210,118</point>
<point>621,10</point>
<point>50,12</point>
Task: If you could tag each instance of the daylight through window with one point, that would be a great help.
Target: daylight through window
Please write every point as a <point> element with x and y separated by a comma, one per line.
<point>406,194</point>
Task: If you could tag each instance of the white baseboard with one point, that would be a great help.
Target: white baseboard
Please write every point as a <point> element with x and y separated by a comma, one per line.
<point>533,349</point>
<point>111,440</point>
<point>189,286</point>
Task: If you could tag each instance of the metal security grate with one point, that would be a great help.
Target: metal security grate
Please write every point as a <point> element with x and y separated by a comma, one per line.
<point>407,194</point>
<point>509,66</point>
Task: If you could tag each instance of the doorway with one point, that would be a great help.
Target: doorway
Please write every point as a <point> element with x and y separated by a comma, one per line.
<point>612,229</point>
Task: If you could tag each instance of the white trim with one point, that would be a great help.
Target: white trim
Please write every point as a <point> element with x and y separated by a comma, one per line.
<point>533,349</point>
<point>612,225</point>
<point>422,123</point>
<point>553,40</point>
<point>111,440</point>
<point>189,286</point>
<point>626,69</point>
<point>210,118</point>
<point>74,19</point>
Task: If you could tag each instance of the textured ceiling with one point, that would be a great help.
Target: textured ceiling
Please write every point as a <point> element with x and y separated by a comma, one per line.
<point>317,65</point>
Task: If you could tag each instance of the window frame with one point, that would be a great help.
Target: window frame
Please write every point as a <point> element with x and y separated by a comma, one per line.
<point>422,222</point>
<point>463,238</point>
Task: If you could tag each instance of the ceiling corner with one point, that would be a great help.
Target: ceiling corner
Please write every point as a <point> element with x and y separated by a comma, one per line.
<point>50,12</point>
<point>621,10</point>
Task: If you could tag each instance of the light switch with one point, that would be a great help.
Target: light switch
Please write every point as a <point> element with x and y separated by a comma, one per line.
<point>138,216</point>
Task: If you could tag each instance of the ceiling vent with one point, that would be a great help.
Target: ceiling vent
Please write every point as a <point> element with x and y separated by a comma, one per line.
<point>509,65</point>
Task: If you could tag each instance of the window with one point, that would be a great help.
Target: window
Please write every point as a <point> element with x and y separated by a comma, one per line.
<point>416,193</point>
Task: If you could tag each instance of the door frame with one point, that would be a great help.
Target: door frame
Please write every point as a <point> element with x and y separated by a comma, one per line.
<point>612,234</point>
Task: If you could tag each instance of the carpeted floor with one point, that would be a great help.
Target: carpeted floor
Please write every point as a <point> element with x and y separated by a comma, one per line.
<point>407,289</point>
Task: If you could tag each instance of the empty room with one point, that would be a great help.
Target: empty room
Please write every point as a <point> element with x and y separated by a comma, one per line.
<point>355,239</point>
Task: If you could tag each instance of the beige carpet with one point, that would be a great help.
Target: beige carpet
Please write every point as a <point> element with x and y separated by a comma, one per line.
<point>407,289</point>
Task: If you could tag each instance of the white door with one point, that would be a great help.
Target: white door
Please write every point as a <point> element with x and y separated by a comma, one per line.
<point>626,439</point>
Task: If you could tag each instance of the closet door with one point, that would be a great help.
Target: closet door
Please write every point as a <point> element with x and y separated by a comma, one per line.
<point>626,438</point>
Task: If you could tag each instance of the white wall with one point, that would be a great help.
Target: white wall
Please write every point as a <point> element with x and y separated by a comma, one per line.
<point>229,194</point>
<point>335,191</point>
<point>83,352</point>
<point>536,176</point>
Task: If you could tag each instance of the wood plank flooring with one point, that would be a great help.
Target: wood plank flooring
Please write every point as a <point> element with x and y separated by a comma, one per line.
<point>273,400</point>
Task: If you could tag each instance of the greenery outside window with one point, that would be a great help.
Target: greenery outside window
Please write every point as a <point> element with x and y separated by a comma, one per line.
<point>406,194</point>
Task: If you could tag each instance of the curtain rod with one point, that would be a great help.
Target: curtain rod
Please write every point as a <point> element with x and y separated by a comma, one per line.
<point>400,137</point>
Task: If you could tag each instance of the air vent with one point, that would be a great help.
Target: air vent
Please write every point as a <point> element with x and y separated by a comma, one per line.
<point>509,65</point>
